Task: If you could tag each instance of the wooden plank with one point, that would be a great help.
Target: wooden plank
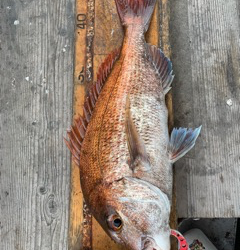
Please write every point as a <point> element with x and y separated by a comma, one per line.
<point>206,55</point>
<point>164,43</point>
<point>36,51</point>
<point>108,35</point>
<point>76,198</point>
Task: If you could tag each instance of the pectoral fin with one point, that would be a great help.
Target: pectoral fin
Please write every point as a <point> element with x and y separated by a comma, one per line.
<point>135,143</point>
<point>182,140</point>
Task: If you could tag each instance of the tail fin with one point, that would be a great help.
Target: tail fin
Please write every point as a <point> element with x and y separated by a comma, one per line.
<point>135,11</point>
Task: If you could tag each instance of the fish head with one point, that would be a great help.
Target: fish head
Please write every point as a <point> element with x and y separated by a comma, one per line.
<point>136,214</point>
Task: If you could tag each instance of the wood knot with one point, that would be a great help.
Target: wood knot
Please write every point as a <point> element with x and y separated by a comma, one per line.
<point>51,208</point>
<point>42,190</point>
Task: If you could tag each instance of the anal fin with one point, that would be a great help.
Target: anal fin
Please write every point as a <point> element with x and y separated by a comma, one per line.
<point>181,141</point>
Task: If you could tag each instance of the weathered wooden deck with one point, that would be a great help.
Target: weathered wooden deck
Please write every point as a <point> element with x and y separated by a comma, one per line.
<point>38,93</point>
<point>36,74</point>
<point>206,91</point>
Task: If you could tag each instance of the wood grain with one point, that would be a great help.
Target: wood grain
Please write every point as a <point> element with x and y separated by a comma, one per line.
<point>36,51</point>
<point>206,56</point>
<point>164,43</point>
<point>75,235</point>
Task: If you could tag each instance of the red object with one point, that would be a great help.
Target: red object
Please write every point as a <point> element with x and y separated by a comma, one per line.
<point>183,245</point>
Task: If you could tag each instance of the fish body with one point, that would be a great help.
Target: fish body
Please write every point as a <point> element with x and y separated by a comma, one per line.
<point>105,144</point>
<point>122,145</point>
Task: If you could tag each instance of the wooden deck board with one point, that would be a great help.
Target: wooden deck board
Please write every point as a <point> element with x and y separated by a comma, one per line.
<point>36,74</point>
<point>206,55</point>
<point>36,53</point>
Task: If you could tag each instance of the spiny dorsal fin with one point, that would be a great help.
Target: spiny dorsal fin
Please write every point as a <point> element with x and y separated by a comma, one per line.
<point>162,65</point>
<point>181,141</point>
<point>77,132</point>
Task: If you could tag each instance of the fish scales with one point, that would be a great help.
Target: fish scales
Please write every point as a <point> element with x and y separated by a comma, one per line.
<point>138,79</point>
<point>122,145</point>
<point>91,168</point>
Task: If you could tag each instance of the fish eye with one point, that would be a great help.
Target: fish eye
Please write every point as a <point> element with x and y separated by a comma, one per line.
<point>114,222</point>
<point>117,223</point>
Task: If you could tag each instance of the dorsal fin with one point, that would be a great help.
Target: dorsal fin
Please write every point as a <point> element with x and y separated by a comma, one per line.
<point>162,65</point>
<point>77,132</point>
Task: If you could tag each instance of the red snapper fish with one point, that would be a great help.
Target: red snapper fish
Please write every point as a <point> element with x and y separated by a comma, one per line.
<point>122,144</point>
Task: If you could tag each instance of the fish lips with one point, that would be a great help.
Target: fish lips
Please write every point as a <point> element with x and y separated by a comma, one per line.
<point>148,243</point>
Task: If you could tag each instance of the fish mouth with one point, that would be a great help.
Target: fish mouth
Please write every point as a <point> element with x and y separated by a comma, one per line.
<point>148,243</point>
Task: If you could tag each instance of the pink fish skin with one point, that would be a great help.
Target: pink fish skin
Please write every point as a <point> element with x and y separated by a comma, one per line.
<point>121,143</point>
